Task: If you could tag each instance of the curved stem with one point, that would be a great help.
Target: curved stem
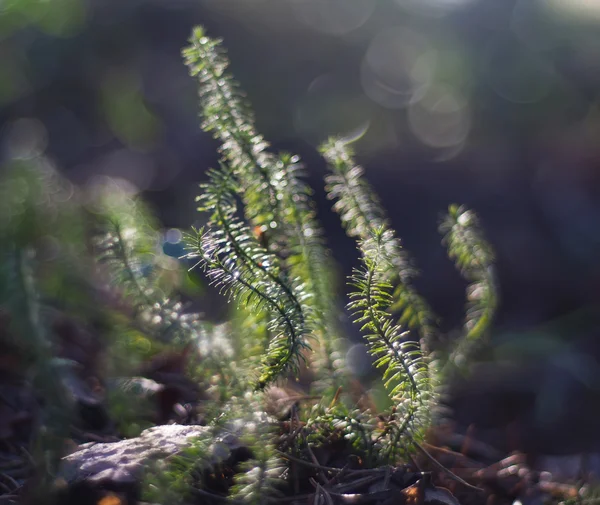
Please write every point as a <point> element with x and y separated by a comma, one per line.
<point>381,333</point>
<point>224,223</point>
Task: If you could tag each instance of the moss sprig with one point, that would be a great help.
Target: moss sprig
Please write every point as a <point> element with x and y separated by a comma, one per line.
<point>474,258</point>
<point>362,216</point>
<point>405,367</point>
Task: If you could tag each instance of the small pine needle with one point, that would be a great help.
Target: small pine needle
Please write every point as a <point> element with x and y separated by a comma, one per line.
<point>336,397</point>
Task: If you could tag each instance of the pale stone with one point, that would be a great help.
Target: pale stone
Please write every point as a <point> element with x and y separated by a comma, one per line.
<point>123,461</point>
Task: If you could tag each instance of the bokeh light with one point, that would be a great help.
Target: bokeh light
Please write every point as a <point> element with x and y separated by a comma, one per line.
<point>441,118</point>
<point>332,106</point>
<point>335,17</point>
<point>587,10</point>
<point>397,67</point>
<point>433,7</point>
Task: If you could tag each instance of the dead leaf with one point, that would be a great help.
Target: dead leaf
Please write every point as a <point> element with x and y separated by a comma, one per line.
<point>110,499</point>
<point>423,494</point>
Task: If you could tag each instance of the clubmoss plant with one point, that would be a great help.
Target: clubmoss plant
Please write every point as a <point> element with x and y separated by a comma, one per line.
<point>279,277</point>
<point>276,203</point>
<point>264,248</point>
<point>475,259</point>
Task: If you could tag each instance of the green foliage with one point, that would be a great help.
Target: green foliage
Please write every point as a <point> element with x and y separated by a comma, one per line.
<point>48,271</point>
<point>326,423</point>
<point>383,287</point>
<point>309,260</point>
<point>127,244</point>
<point>260,479</point>
<point>474,258</point>
<point>279,277</point>
<point>277,204</point>
<point>362,216</point>
<point>37,214</point>
<point>237,263</point>
<point>263,247</point>
<point>230,120</point>
<point>172,481</point>
<point>406,371</point>
<point>257,480</point>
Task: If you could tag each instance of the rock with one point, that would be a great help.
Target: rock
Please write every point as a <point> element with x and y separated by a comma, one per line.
<point>121,463</point>
<point>117,467</point>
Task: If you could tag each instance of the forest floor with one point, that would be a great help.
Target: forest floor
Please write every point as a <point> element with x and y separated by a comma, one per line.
<point>449,468</point>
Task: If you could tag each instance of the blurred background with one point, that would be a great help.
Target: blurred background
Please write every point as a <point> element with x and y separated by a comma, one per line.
<point>489,103</point>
